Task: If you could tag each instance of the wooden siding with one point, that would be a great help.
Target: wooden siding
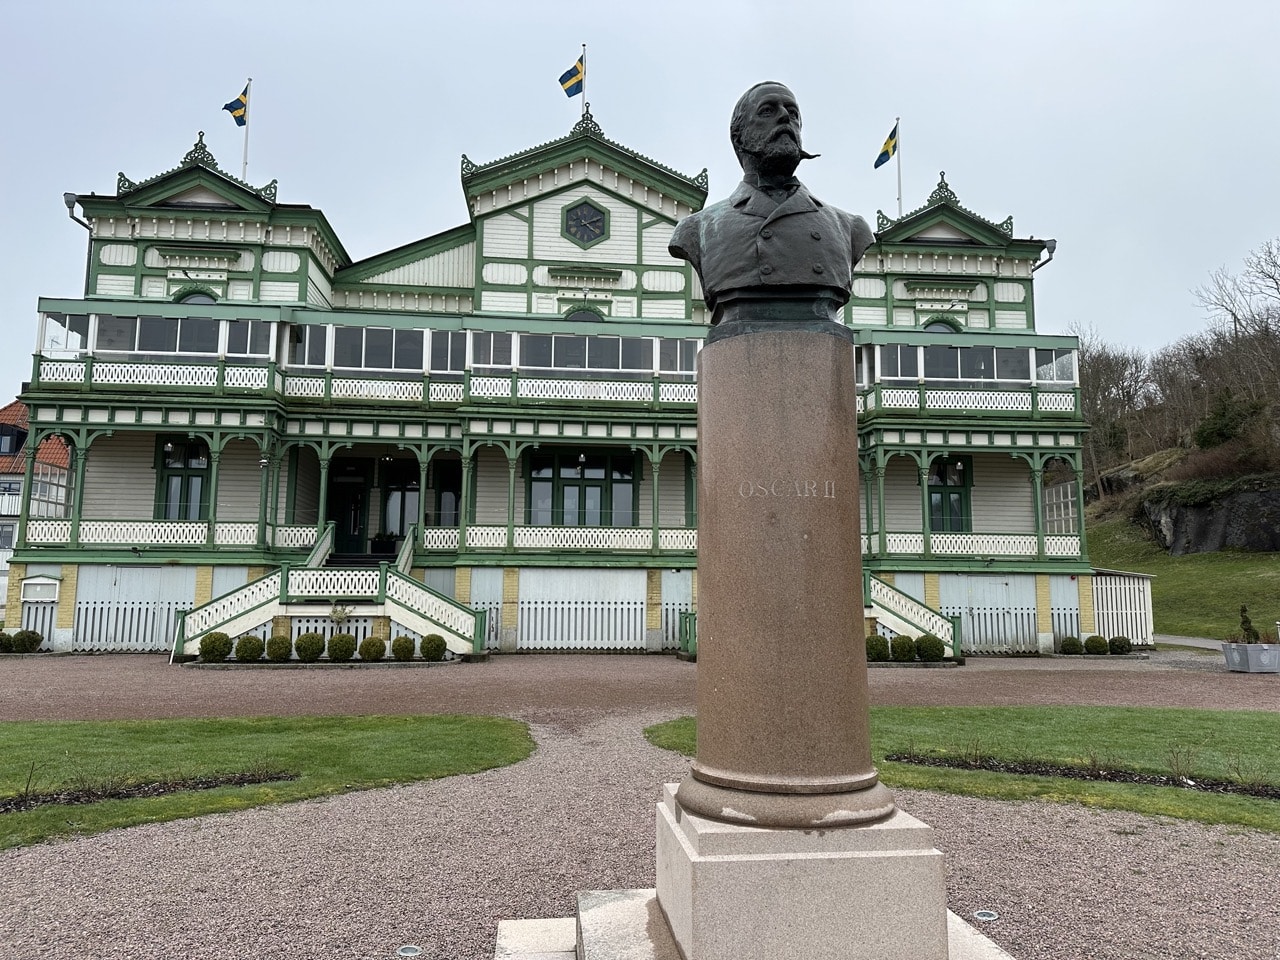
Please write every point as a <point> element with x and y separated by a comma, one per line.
<point>120,478</point>
<point>655,240</point>
<point>449,268</point>
<point>549,243</point>
<point>1001,497</point>
<point>671,506</point>
<point>491,488</point>
<point>576,583</point>
<point>239,481</point>
<point>902,494</point>
<point>506,235</point>
<point>277,291</point>
<point>306,487</point>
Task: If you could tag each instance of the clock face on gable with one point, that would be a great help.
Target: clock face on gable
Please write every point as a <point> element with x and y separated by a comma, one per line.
<point>586,223</point>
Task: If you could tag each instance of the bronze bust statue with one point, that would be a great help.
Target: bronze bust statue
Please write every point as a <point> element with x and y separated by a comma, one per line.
<point>771,241</point>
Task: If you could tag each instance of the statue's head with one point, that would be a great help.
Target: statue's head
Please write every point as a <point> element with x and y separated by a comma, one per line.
<point>765,129</point>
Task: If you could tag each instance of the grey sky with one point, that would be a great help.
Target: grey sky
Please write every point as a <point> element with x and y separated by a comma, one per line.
<point>1143,136</point>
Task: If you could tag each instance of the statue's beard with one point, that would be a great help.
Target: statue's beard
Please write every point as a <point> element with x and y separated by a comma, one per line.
<point>780,156</point>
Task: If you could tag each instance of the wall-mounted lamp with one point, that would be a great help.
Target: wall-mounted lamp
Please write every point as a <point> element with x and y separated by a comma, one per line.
<point>70,200</point>
<point>1050,247</point>
<point>168,447</point>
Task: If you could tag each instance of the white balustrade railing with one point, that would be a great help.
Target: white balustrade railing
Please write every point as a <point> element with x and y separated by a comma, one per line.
<point>10,504</point>
<point>227,607</point>
<point>440,538</point>
<point>629,391</point>
<point>310,387</point>
<point>296,536</point>
<point>148,532</point>
<point>1062,546</point>
<point>352,389</point>
<point>486,537</point>
<point>583,538</point>
<point>156,374</point>
<point>235,534</point>
<point>445,393</point>
<point>415,596</point>
<point>904,542</point>
<point>995,544</point>
<point>897,399</point>
<point>497,388</point>
<point>678,392</point>
<point>247,378</point>
<point>985,400</point>
<point>678,539</point>
<point>48,531</point>
<point>908,608</point>
<point>62,371</point>
<point>334,582</point>
<point>1056,402</point>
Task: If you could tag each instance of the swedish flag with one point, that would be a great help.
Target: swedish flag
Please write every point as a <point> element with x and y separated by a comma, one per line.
<point>575,78</point>
<point>889,149</point>
<point>239,108</point>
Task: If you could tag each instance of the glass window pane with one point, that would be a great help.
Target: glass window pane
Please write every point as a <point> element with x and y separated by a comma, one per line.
<point>592,514</point>
<point>502,349</point>
<point>688,355</point>
<point>448,516</point>
<point>458,351</point>
<point>541,465</point>
<point>395,507</point>
<point>955,507</point>
<point>173,499</point>
<point>1012,363</point>
<point>317,340</point>
<point>377,348</point>
<point>570,352</point>
<point>260,338</point>
<point>197,457</point>
<point>116,333</point>
<point>668,354</point>
<point>593,468</point>
<point>348,347</point>
<point>889,361</point>
<point>410,515</point>
<point>195,486</point>
<point>158,334</point>
<point>408,350</point>
<point>175,456</point>
<point>298,345</point>
<point>535,350</point>
<point>637,353</point>
<point>237,337</point>
<point>540,503</point>
<point>623,511</point>
<point>603,353</point>
<point>198,335</point>
<point>935,512</point>
<point>481,348</point>
<point>570,506</point>
<point>941,362</point>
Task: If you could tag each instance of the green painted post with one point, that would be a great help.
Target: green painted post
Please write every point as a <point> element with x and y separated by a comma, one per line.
<point>179,639</point>
<point>480,630</point>
<point>382,581</point>
<point>284,582</point>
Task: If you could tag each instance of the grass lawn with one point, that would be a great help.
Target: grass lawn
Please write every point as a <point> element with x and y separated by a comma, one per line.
<point>328,755</point>
<point>1198,595</point>
<point>1197,743</point>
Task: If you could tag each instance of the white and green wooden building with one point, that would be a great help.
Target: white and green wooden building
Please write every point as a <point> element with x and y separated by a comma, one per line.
<point>491,432</point>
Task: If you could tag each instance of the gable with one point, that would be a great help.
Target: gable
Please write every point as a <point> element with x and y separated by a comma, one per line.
<point>199,196</point>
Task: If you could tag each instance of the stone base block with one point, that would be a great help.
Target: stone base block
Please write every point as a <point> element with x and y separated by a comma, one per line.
<point>733,892</point>
<point>628,925</point>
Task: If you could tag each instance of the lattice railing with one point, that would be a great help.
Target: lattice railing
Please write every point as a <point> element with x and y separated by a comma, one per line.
<point>247,378</point>
<point>628,391</point>
<point>399,390</point>
<point>417,596</point>
<point>995,544</point>
<point>150,532</point>
<point>309,387</point>
<point>986,400</point>
<point>333,583</point>
<point>48,531</point>
<point>678,539</point>
<point>491,388</point>
<point>1056,402</point>
<point>1062,546</point>
<point>226,608</point>
<point>907,608</point>
<point>904,542</point>
<point>62,371</point>
<point>445,393</point>
<point>156,374</point>
<point>235,534</point>
<point>440,538</point>
<point>900,399</point>
<point>295,536</point>
<point>583,538</point>
<point>678,392</point>
<point>482,537</point>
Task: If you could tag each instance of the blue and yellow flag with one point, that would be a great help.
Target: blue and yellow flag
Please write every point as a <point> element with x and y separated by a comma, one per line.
<point>239,108</point>
<point>575,78</point>
<point>889,149</point>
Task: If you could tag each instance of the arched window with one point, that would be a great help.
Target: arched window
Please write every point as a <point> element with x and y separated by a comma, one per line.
<point>197,298</point>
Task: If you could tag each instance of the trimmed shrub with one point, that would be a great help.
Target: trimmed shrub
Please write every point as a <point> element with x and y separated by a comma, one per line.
<point>249,648</point>
<point>279,649</point>
<point>433,647</point>
<point>877,648</point>
<point>215,647</point>
<point>1120,645</point>
<point>1097,645</point>
<point>27,641</point>
<point>1072,646</point>
<point>931,649</point>
<point>6,642</point>
<point>373,649</point>
<point>309,647</point>
<point>402,649</point>
<point>342,647</point>
<point>902,649</point>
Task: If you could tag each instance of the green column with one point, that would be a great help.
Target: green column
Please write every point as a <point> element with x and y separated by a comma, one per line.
<point>322,511</point>
<point>215,457</point>
<point>77,495</point>
<point>655,464</point>
<point>924,507</point>
<point>1037,495</point>
<point>513,462</point>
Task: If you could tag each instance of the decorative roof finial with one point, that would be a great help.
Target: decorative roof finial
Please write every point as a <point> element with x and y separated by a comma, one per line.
<point>587,126</point>
<point>199,154</point>
<point>942,193</point>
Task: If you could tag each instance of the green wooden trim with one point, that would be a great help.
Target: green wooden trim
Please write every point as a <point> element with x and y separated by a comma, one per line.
<point>409,253</point>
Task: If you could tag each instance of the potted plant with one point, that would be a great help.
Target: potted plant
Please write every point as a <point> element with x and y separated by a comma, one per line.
<point>383,544</point>
<point>1246,653</point>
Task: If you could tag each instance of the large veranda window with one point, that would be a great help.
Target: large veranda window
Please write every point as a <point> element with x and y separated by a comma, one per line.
<point>182,480</point>
<point>400,496</point>
<point>582,488</point>
<point>950,479</point>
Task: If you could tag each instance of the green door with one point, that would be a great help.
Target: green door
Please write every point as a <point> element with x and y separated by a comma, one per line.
<point>349,506</point>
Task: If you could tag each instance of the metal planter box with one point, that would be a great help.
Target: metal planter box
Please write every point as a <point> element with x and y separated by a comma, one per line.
<point>1252,657</point>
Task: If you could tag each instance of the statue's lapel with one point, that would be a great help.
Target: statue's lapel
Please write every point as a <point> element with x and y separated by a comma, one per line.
<point>798,202</point>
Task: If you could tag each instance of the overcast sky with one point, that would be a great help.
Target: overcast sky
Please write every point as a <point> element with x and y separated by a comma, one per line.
<point>1143,136</point>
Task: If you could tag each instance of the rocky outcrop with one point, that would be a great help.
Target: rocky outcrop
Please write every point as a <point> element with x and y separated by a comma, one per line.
<point>1240,520</point>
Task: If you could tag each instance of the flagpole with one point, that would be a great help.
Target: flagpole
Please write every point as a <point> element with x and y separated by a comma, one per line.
<point>897,125</point>
<point>584,81</point>
<point>244,165</point>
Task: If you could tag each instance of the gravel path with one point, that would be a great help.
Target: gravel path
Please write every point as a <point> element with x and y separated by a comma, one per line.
<point>438,864</point>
